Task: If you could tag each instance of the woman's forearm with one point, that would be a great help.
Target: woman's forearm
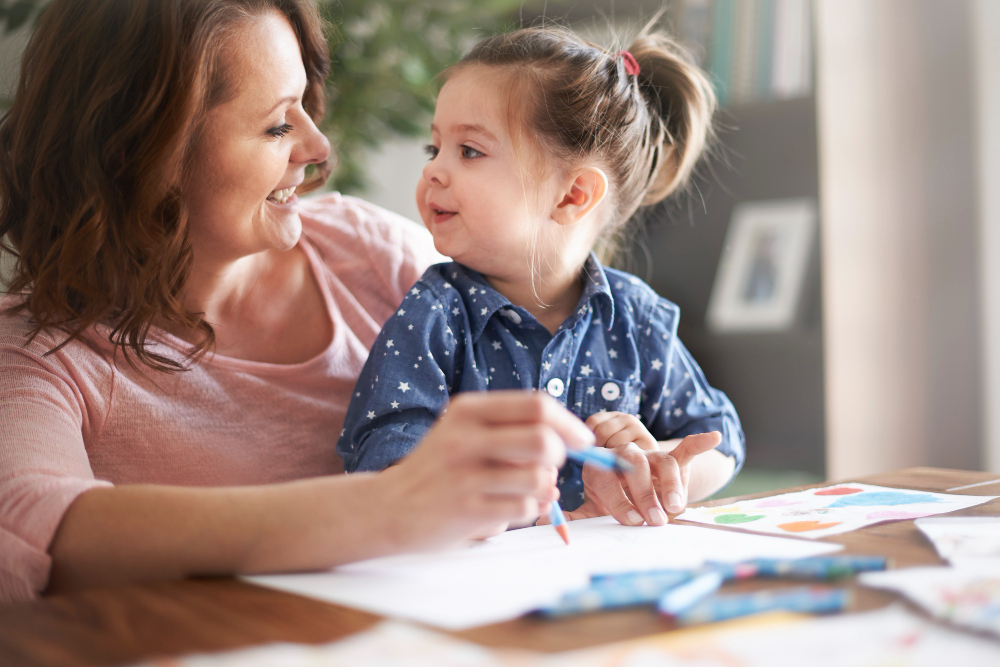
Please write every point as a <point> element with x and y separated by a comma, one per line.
<point>147,532</point>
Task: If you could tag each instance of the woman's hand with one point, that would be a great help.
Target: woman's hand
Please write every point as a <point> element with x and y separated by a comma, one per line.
<point>659,478</point>
<point>487,462</point>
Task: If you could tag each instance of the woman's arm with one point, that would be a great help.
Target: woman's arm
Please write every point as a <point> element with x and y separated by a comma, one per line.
<point>486,462</point>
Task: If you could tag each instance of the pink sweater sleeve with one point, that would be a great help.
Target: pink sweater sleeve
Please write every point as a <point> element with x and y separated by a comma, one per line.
<point>43,462</point>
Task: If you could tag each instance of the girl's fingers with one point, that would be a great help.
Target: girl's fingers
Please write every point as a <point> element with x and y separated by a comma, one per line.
<point>671,489</point>
<point>636,433</point>
<point>639,481</point>
<point>693,445</point>
<point>605,487</point>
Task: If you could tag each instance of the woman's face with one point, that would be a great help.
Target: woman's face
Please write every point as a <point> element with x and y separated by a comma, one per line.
<point>254,148</point>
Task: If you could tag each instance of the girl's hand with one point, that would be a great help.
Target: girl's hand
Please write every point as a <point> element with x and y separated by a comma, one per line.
<point>659,479</point>
<point>487,462</point>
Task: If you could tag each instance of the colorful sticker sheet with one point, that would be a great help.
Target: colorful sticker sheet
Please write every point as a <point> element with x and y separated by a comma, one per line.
<point>830,510</point>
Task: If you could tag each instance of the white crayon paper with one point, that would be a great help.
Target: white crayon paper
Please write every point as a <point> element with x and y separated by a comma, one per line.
<point>522,570</point>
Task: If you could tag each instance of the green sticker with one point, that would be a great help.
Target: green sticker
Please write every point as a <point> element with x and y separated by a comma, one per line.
<point>737,518</point>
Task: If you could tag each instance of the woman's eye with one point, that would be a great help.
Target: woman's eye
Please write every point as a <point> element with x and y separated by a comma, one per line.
<point>431,150</point>
<point>280,130</point>
<point>471,153</point>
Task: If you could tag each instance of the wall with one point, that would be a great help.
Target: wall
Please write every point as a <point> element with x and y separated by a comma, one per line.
<point>900,284</point>
<point>986,41</point>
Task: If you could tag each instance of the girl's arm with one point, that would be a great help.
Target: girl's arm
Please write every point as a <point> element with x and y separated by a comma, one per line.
<point>710,471</point>
<point>487,461</point>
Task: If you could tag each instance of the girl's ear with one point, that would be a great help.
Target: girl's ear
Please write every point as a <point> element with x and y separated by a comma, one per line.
<point>586,189</point>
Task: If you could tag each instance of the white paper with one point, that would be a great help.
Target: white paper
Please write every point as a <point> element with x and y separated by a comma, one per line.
<point>522,570</point>
<point>830,510</point>
<point>959,539</point>
<point>968,595</point>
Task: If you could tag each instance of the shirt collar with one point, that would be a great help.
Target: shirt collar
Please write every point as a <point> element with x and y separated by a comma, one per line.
<point>596,292</point>
<point>482,301</point>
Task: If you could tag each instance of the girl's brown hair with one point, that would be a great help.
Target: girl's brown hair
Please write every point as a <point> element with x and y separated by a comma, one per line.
<point>94,148</point>
<point>581,103</point>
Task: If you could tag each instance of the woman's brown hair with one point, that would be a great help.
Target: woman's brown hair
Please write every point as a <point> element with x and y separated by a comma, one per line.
<point>583,102</point>
<point>94,148</point>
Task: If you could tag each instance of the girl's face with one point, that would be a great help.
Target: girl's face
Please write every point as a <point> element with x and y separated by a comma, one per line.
<point>484,204</point>
<point>254,148</point>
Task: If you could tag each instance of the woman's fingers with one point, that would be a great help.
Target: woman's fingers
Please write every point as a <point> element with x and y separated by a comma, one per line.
<point>499,408</point>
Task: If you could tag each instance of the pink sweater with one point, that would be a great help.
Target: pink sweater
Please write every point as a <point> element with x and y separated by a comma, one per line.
<point>76,420</point>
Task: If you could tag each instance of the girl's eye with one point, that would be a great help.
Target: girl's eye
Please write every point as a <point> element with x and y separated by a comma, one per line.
<point>280,130</point>
<point>431,150</point>
<point>471,153</point>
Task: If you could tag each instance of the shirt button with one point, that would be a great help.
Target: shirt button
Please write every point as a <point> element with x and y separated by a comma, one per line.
<point>555,387</point>
<point>610,391</point>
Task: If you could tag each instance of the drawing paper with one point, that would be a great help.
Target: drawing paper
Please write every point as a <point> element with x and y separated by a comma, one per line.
<point>830,510</point>
<point>522,570</point>
<point>967,595</point>
<point>959,539</point>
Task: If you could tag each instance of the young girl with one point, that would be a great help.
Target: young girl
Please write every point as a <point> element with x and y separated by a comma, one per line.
<point>544,145</point>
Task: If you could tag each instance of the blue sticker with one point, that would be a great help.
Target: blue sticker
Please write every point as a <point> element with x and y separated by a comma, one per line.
<point>884,498</point>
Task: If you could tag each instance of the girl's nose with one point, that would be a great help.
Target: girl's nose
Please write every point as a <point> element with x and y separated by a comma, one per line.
<point>434,172</point>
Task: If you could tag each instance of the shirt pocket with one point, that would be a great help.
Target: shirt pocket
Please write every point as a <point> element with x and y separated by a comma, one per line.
<point>594,394</point>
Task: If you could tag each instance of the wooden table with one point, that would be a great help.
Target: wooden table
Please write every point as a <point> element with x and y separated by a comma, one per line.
<point>131,623</point>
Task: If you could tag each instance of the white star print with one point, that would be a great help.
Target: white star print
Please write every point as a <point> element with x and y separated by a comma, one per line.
<point>687,376</point>
<point>448,331</point>
<point>472,290</point>
<point>586,370</point>
<point>678,412</point>
<point>371,414</point>
<point>404,387</point>
<point>590,391</point>
<point>440,387</point>
<point>416,365</point>
<point>613,354</point>
<point>518,343</point>
<point>484,311</point>
<point>401,312</point>
<point>656,364</point>
<point>396,353</point>
<point>454,311</point>
<point>497,345</point>
<point>414,291</point>
<point>410,327</point>
<point>447,285</point>
<point>546,365</point>
<point>656,406</point>
<point>388,343</point>
<point>587,353</point>
<point>394,405</point>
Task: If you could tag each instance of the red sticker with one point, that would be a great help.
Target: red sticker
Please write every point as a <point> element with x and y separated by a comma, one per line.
<point>837,491</point>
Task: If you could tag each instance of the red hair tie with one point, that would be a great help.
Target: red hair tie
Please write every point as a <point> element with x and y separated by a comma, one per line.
<point>631,66</point>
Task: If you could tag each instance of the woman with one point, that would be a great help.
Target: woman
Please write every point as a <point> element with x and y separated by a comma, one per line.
<point>185,332</point>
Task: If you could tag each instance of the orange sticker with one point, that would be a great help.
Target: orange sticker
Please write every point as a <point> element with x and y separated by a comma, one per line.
<point>837,491</point>
<point>804,526</point>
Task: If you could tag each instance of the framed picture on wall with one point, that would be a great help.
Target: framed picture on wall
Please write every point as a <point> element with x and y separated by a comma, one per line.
<point>763,267</point>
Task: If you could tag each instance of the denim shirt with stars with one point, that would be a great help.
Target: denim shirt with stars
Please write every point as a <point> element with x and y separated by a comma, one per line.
<point>619,351</point>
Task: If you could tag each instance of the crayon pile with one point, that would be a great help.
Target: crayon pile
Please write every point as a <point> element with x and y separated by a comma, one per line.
<point>690,596</point>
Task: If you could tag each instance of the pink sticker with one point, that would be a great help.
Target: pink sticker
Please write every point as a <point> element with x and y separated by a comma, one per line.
<point>897,515</point>
<point>837,491</point>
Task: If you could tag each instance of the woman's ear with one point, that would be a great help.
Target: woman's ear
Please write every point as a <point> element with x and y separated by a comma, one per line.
<point>586,188</point>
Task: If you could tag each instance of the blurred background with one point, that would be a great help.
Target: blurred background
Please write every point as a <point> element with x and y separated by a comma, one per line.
<point>837,259</point>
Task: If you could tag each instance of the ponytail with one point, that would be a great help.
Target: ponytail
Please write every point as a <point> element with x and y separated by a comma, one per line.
<point>681,103</point>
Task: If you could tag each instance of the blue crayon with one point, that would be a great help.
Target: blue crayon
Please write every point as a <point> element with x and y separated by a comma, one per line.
<point>558,520</point>
<point>601,457</point>
<point>612,594</point>
<point>820,567</point>
<point>805,599</point>
<point>680,599</point>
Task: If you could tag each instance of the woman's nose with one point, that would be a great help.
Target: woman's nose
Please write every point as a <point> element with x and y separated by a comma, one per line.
<point>314,147</point>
